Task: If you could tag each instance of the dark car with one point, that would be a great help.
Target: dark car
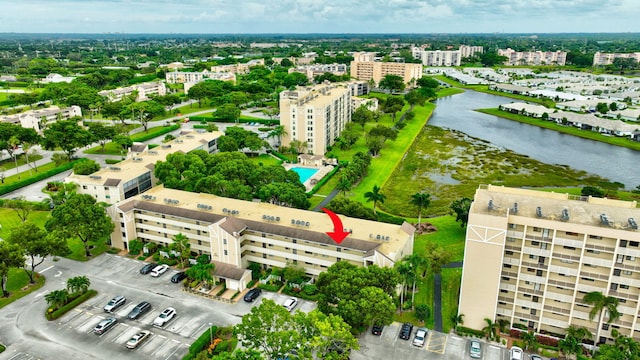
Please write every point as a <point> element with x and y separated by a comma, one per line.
<point>178,277</point>
<point>252,295</point>
<point>139,310</point>
<point>405,331</point>
<point>377,330</point>
<point>147,268</point>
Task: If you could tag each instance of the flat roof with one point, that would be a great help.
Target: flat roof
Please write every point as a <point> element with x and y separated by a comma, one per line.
<point>581,209</point>
<point>142,162</point>
<point>365,235</point>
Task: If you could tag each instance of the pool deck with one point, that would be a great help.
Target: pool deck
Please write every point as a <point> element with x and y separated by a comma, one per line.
<point>313,179</point>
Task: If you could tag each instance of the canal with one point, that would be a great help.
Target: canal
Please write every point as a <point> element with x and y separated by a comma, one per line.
<point>612,162</point>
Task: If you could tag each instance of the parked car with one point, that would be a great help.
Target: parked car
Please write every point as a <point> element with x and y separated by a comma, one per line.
<point>138,339</point>
<point>139,310</point>
<point>475,349</point>
<point>104,325</point>
<point>516,353</point>
<point>159,270</point>
<point>178,277</point>
<point>115,303</point>
<point>147,268</point>
<point>165,316</point>
<point>252,294</point>
<point>290,304</point>
<point>377,329</point>
<point>420,337</point>
<point>405,331</point>
<point>535,357</point>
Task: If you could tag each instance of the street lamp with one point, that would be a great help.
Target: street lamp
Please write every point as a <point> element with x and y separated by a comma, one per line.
<point>210,333</point>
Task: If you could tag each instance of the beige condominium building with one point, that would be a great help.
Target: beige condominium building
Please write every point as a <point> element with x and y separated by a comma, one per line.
<point>237,232</point>
<point>143,91</point>
<point>39,118</point>
<point>531,256</point>
<point>602,59</point>
<point>364,68</point>
<point>315,115</point>
<point>533,57</point>
<point>134,175</point>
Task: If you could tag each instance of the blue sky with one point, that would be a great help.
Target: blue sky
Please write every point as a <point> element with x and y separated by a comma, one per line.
<point>319,16</point>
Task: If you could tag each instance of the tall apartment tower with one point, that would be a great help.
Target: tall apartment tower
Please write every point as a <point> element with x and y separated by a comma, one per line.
<point>315,115</point>
<point>530,257</point>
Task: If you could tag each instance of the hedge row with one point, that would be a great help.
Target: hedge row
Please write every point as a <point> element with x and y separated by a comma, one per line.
<point>324,180</point>
<point>461,330</point>
<point>67,307</point>
<point>4,189</point>
<point>390,219</point>
<point>40,206</point>
<point>112,161</point>
<point>154,134</point>
<point>200,344</point>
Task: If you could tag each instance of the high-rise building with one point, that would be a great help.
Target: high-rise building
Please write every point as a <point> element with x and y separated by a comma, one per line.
<point>315,115</point>
<point>602,59</point>
<point>533,57</point>
<point>531,257</point>
<point>445,57</point>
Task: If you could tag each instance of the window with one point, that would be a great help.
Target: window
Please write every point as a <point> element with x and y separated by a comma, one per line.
<point>623,243</point>
<point>508,252</point>
<point>631,258</point>
<point>535,243</point>
<point>619,259</point>
<point>537,229</point>
<point>543,246</point>
<point>614,287</point>
<point>569,247</point>
<point>226,253</point>
<point>538,272</point>
<point>295,252</point>
<point>622,300</point>
<point>508,266</point>
<point>512,226</point>
<point>595,237</point>
<point>616,272</point>
<point>623,286</point>
<point>537,286</point>
<point>587,279</point>
<point>533,311</point>
<point>224,241</point>
<point>533,257</point>
<point>626,272</point>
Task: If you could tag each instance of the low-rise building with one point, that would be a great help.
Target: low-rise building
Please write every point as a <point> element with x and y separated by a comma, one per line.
<point>235,233</point>
<point>314,70</point>
<point>531,256</point>
<point>533,57</point>
<point>134,175</point>
<point>143,91</point>
<point>444,57</point>
<point>240,68</point>
<point>38,119</point>
<point>57,78</point>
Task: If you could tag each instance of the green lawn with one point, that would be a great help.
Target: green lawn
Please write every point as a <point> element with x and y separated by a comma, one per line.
<point>449,235</point>
<point>571,130</point>
<point>12,177</point>
<point>9,219</point>
<point>112,148</point>
<point>265,160</point>
<point>9,164</point>
<point>77,249</point>
<point>18,285</point>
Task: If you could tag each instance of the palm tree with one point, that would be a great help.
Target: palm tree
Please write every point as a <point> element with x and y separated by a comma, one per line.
<point>78,284</point>
<point>601,303</point>
<point>404,269</point>
<point>57,298</point>
<point>491,330</point>
<point>580,333</point>
<point>529,340</point>
<point>457,320</point>
<point>278,132</point>
<point>417,262</point>
<point>182,246</point>
<point>421,200</point>
<point>344,185</point>
<point>570,346</point>
<point>376,196</point>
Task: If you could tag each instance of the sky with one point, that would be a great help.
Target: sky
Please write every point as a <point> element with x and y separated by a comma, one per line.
<point>319,16</point>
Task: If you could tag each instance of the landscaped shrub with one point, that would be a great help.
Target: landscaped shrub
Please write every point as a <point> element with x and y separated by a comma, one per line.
<point>142,258</point>
<point>547,341</point>
<point>324,180</point>
<point>135,247</point>
<point>200,343</point>
<point>70,305</point>
<point>4,189</point>
<point>251,283</point>
<point>466,331</point>
<point>112,161</point>
<point>271,287</point>
<point>140,137</point>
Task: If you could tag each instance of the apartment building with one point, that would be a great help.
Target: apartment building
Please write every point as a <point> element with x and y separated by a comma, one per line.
<point>319,69</point>
<point>134,175</point>
<point>143,91</point>
<point>531,256</point>
<point>39,118</point>
<point>445,57</point>
<point>315,115</point>
<point>533,57</point>
<point>181,77</point>
<point>602,59</point>
<point>243,68</point>
<point>364,68</point>
<point>237,232</point>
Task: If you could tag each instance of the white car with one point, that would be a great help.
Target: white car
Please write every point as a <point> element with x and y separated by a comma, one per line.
<point>516,353</point>
<point>419,337</point>
<point>165,316</point>
<point>138,339</point>
<point>159,270</point>
<point>290,304</point>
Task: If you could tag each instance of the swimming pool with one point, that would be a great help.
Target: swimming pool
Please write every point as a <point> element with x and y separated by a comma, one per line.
<point>304,173</point>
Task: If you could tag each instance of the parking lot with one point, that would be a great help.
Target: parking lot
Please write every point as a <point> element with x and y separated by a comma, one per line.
<point>389,346</point>
<point>72,337</point>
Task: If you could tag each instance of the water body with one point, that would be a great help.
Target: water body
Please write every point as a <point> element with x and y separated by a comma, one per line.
<point>612,162</point>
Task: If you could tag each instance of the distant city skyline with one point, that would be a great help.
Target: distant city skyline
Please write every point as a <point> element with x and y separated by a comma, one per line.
<point>319,16</point>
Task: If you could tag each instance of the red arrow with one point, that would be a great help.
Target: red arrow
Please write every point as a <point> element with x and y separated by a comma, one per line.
<point>338,233</point>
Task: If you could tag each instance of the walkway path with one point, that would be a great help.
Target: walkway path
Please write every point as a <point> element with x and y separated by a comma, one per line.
<point>326,200</point>
<point>437,295</point>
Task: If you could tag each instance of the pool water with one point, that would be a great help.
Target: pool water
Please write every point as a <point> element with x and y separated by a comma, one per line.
<point>304,173</point>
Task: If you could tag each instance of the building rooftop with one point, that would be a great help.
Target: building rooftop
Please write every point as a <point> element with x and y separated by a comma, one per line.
<point>585,210</point>
<point>141,163</point>
<point>365,236</point>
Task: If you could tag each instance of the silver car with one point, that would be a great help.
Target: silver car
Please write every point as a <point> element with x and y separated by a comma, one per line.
<point>115,303</point>
<point>475,349</point>
<point>420,337</point>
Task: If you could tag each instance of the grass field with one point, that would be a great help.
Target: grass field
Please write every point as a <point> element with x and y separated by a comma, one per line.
<point>18,285</point>
<point>112,148</point>
<point>12,177</point>
<point>9,164</point>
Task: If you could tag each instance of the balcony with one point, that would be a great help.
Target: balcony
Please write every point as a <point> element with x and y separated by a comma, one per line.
<point>623,295</point>
<point>510,274</point>
<point>536,251</point>
<point>568,242</point>
<point>594,275</point>
<point>511,261</point>
<point>568,285</point>
<point>517,248</point>
<point>529,291</point>
<point>534,265</point>
<point>505,299</point>
<point>563,270</point>
<point>598,261</point>
<point>566,256</point>
<point>602,248</point>
<point>527,316</point>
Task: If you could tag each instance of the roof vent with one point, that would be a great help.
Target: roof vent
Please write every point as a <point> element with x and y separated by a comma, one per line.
<point>490,206</point>
<point>565,215</point>
<point>633,223</point>
<point>539,211</point>
<point>604,219</point>
<point>514,209</point>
